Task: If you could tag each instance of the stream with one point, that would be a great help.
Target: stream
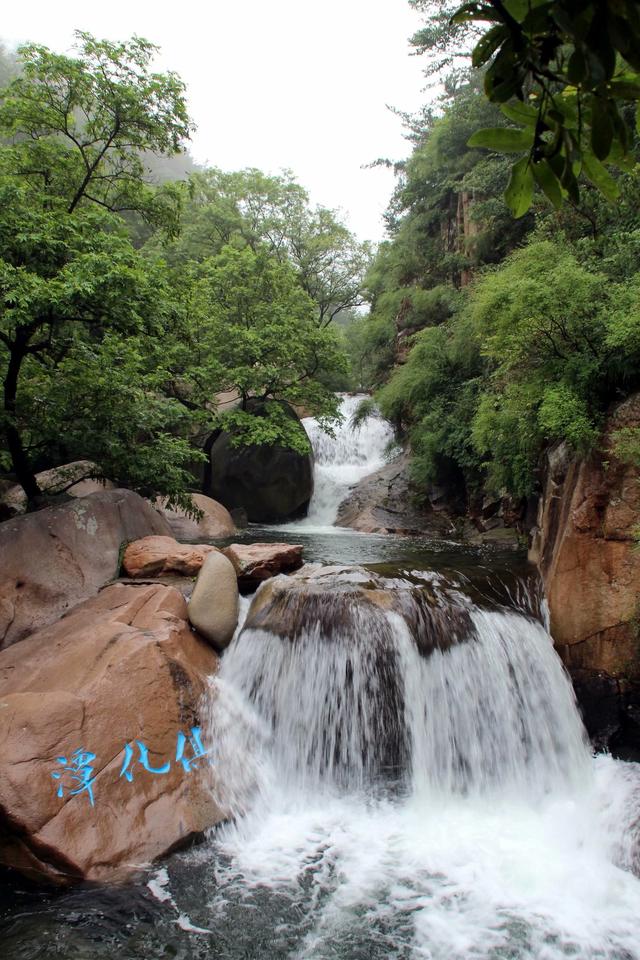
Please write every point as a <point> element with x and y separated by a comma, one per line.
<point>418,788</point>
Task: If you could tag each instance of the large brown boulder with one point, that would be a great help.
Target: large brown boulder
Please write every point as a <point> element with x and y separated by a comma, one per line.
<point>215,523</point>
<point>74,479</point>
<point>590,564</point>
<point>158,556</point>
<point>53,559</point>
<point>122,669</point>
<point>255,562</point>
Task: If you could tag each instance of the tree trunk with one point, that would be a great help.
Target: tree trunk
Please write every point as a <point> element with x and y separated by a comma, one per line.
<point>19,459</point>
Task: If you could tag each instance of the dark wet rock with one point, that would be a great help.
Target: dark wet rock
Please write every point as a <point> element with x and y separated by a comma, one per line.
<point>270,483</point>
<point>343,601</point>
<point>383,503</point>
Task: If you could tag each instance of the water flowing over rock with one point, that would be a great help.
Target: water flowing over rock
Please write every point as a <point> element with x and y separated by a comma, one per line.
<point>362,683</point>
<point>124,668</point>
<point>53,559</point>
<point>343,460</point>
<point>411,782</point>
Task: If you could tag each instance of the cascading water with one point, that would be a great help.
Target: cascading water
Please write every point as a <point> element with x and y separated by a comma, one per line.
<point>341,461</point>
<point>413,781</point>
<point>406,769</point>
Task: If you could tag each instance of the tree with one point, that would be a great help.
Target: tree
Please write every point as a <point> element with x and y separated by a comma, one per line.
<point>249,328</point>
<point>68,273</point>
<point>247,207</point>
<point>79,126</point>
<point>562,71</point>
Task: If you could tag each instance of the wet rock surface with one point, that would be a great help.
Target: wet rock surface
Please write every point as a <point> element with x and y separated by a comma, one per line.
<point>121,668</point>
<point>256,562</point>
<point>587,554</point>
<point>383,503</point>
<point>346,600</point>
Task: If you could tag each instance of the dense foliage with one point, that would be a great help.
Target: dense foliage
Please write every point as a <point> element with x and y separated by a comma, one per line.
<point>562,71</point>
<point>488,337</point>
<point>129,301</point>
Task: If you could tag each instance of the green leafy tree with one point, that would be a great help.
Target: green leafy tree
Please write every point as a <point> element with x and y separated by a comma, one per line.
<point>250,329</point>
<point>75,129</point>
<point>247,207</point>
<point>81,124</point>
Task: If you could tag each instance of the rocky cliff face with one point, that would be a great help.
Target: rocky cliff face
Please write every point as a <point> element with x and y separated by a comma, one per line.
<point>589,560</point>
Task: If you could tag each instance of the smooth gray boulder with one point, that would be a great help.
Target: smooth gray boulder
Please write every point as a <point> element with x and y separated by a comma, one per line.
<point>214,604</point>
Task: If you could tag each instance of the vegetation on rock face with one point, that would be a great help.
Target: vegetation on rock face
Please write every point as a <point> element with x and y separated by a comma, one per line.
<point>128,301</point>
<point>490,337</point>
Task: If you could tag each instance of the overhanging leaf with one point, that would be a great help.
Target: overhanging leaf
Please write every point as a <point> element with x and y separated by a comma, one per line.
<point>519,192</point>
<point>488,44</point>
<point>548,182</point>
<point>520,113</point>
<point>502,139</point>
<point>600,177</point>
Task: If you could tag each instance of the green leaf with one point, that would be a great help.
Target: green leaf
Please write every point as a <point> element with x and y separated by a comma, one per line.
<point>519,192</point>
<point>600,177</point>
<point>601,127</point>
<point>627,88</point>
<point>502,139</point>
<point>488,44</point>
<point>520,113</point>
<point>517,8</point>
<point>474,11</point>
<point>548,182</point>
<point>577,67</point>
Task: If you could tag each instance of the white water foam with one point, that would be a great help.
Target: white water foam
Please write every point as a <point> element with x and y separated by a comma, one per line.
<point>504,839</point>
<point>341,462</point>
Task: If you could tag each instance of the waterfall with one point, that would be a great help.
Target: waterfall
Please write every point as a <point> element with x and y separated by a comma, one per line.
<point>411,779</point>
<point>343,460</point>
<point>356,697</point>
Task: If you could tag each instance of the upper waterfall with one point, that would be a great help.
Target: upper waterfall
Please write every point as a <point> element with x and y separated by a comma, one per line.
<point>344,459</point>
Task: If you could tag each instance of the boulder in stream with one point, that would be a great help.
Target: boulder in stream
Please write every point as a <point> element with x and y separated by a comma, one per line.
<point>256,562</point>
<point>216,522</point>
<point>158,556</point>
<point>214,604</point>
<point>102,727</point>
<point>271,483</point>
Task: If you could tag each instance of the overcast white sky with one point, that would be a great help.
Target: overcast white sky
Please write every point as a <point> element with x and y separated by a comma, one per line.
<point>272,83</point>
